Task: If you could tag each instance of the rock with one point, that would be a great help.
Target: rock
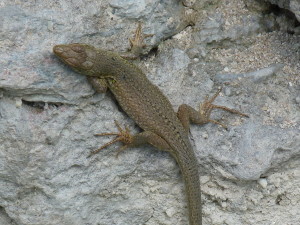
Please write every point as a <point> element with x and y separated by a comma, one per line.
<point>49,114</point>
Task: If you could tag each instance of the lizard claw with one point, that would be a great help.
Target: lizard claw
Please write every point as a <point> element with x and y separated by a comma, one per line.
<point>123,135</point>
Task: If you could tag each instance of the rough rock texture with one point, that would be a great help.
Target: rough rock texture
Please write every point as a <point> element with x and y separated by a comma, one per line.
<point>291,5</point>
<point>250,173</point>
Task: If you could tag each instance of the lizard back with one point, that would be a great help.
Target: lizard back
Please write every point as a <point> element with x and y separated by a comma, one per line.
<point>145,104</point>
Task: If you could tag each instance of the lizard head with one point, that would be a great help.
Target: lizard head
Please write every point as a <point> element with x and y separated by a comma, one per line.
<point>80,57</point>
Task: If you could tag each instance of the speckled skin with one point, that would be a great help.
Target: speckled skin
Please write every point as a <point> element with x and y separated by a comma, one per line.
<point>144,103</point>
<point>148,107</point>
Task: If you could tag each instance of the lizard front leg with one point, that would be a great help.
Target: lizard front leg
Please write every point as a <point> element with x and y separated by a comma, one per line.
<point>136,44</point>
<point>99,84</point>
<point>187,114</point>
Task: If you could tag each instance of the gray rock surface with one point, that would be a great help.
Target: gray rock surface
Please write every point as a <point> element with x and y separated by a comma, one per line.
<point>49,114</point>
<point>291,5</point>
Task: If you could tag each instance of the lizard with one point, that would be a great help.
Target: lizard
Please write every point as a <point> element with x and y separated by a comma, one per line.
<point>162,127</point>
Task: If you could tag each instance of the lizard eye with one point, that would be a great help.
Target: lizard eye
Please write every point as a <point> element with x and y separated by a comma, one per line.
<point>77,48</point>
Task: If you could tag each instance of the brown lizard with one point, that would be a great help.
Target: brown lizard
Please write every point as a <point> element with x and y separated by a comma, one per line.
<point>147,106</point>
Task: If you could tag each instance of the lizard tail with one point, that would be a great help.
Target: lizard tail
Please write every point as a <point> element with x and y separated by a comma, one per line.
<point>189,168</point>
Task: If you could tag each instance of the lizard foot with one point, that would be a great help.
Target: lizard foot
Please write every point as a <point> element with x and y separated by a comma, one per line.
<point>136,43</point>
<point>139,37</point>
<point>206,108</point>
<point>123,135</point>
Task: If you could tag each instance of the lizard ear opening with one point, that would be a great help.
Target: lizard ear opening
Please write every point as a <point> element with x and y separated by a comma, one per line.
<point>87,65</point>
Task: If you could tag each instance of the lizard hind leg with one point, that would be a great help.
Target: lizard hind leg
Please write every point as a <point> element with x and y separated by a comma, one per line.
<point>187,114</point>
<point>122,135</point>
<point>206,108</point>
